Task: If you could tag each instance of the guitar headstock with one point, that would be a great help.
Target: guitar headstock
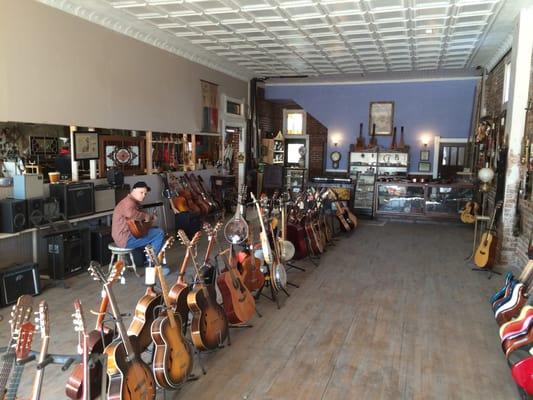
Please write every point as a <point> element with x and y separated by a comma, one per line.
<point>242,194</point>
<point>150,253</point>
<point>78,319</point>
<point>22,312</point>
<point>95,269</point>
<point>217,227</point>
<point>43,319</point>
<point>24,340</point>
<point>208,229</point>
<point>168,243</point>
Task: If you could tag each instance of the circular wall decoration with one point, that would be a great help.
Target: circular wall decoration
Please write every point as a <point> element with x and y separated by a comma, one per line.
<point>123,155</point>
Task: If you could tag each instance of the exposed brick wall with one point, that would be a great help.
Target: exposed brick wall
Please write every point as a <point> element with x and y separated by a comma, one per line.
<point>270,121</point>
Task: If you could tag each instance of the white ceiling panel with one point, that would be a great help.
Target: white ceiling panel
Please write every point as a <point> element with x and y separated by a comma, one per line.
<point>313,36</point>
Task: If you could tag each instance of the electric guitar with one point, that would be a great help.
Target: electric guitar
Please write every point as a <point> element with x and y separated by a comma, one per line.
<point>20,314</point>
<point>83,347</point>
<point>44,328</point>
<point>129,376</point>
<point>209,325</point>
<point>22,350</point>
<point>485,253</point>
<point>172,355</point>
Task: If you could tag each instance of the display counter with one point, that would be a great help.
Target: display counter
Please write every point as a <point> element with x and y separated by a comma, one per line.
<point>421,200</point>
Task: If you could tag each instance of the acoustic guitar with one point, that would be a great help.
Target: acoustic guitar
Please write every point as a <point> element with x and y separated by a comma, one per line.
<point>22,351</point>
<point>468,215</point>
<point>44,328</point>
<point>98,339</point>
<point>138,229</point>
<point>263,236</point>
<point>360,144</point>
<point>250,266</point>
<point>83,345</point>
<point>129,377</point>
<point>21,313</point>
<point>209,325</point>
<point>486,251</point>
<point>172,363</point>
<point>144,316</point>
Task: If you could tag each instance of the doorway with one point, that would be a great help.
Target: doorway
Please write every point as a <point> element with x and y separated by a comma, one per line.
<point>451,159</point>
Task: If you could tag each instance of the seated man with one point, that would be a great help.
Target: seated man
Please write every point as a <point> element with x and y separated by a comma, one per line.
<point>128,208</point>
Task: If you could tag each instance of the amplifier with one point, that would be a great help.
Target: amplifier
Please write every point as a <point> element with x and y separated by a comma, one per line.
<point>75,199</point>
<point>100,238</point>
<point>69,252</point>
<point>18,280</point>
<point>104,198</point>
<point>13,215</point>
<point>35,209</point>
<point>28,186</point>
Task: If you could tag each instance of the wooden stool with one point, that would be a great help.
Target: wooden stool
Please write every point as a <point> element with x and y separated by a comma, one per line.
<point>119,253</point>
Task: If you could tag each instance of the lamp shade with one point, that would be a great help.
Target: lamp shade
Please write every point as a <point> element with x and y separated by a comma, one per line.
<point>485,175</point>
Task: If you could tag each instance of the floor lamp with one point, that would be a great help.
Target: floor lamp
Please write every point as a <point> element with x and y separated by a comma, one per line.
<point>485,175</point>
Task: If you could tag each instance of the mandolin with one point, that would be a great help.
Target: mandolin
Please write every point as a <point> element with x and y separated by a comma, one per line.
<point>22,351</point>
<point>129,377</point>
<point>486,251</point>
<point>172,363</point>
<point>263,236</point>
<point>21,313</point>
<point>209,325</point>
<point>99,338</point>
<point>468,215</point>
<point>44,328</point>
<point>360,144</point>
<point>238,302</point>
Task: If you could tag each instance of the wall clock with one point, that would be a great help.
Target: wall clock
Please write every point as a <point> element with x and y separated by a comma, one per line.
<point>335,157</point>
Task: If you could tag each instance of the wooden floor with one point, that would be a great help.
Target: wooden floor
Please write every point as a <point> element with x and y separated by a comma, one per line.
<point>391,312</point>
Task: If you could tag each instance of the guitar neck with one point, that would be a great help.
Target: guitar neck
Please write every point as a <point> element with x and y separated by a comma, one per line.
<point>183,267</point>
<point>164,289</point>
<point>37,383</point>
<point>120,324</point>
<point>7,364</point>
<point>14,381</point>
<point>210,245</point>
<point>86,375</point>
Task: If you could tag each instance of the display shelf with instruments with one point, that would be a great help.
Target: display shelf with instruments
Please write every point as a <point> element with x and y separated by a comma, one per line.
<point>421,200</point>
<point>295,178</point>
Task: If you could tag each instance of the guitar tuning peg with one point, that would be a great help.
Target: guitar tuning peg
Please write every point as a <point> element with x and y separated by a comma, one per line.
<point>122,280</point>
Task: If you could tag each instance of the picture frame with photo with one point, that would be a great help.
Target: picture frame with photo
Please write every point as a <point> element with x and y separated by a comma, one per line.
<point>424,155</point>
<point>86,145</point>
<point>381,114</point>
<point>424,166</point>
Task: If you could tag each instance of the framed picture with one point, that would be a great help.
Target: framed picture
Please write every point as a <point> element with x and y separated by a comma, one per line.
<point>424,166</point>
<point>381,116</point>
<point>86,146</point>
<point>424,155</point>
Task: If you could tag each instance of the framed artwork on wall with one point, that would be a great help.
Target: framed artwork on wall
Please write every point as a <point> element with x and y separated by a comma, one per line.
<point>424,155</point>
<point>86,145</point>
<point>381,115</point>
<point>424,166</point>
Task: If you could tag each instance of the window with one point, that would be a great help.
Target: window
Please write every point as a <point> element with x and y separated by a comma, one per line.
<point>506,83</point>
<point>294,122</point>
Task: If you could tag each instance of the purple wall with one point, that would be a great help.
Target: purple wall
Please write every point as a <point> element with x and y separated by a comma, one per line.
<point>435,108</point>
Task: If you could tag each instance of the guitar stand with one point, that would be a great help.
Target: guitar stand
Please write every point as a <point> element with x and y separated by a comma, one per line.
<point>292,266</point>
<point>26,360</point>
<point>273,297</point>
<point>489,271</point>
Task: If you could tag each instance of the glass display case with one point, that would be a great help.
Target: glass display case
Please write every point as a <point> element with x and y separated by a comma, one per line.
<point>427,200</point>
<point>363,168</point>
<point>295,178</point>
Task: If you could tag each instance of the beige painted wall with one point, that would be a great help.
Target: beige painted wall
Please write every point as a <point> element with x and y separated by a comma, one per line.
<point>60,69</point>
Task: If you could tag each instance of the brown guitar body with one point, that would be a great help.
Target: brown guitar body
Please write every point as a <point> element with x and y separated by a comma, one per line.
<point>252,277</point>
<point>138,229</point>
<point>239,304</point>
<point>128,380</point>
<point>180,203</point>
<point>178,296</point>
<point>74,387</point>
<point>209,325</point>
<point>316,245</point>
<point>172,356</point>
<point>144,317</point>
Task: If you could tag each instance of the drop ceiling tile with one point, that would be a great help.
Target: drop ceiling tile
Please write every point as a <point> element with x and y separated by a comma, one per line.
<point>431,12</point>
<point>347,19</point>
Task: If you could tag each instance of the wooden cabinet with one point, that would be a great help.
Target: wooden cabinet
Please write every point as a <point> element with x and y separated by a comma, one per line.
<point>273,151</point>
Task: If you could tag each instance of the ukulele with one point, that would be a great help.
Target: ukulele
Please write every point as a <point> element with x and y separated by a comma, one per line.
<point>44,328</point>
<point>99,338</point>
<point>486,250</point>
<point>360,144</point>
<point>179,291</point>
<point>129,376</point>
<point>172,363</point>
<point>21,313</point>
<point>83,347</point>
<point>238,302</point>
<point>468,215</point>
<point>209,325</point>
<point>22,350</point>
<point>265,243</point>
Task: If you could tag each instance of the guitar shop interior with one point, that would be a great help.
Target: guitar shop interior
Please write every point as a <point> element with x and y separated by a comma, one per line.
<point>266,200</point>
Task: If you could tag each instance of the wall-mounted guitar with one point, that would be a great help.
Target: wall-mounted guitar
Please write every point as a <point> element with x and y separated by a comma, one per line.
<point>172,363</point>
<point>468,215</point>
<point>486,251</point>
<point>129,376</point>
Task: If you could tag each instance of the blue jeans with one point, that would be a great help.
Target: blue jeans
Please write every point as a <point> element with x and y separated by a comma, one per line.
<point>155,237</point>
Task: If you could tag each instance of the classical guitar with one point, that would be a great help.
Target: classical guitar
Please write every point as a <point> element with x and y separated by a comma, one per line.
<point>83,347</point>
<point>44,329</point>
<point>22,312</point>
<point>209,325</point>
<point>179,291</point>
<point>238,302</point>
<point>468,215</point>
<point>485,253</point>
<point>263,236</point>
<point>172,355</point>
<point>360,145</point>
<point>22,351</point>
<point>98,340</point>
<point>129,376</point>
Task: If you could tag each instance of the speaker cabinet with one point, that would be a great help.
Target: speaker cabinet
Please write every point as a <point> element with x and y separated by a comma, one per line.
<point>35,209</point>
<point>100,238</point>
<point>18,280</point>
<point>13,215</point>
<point>69,252</point>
